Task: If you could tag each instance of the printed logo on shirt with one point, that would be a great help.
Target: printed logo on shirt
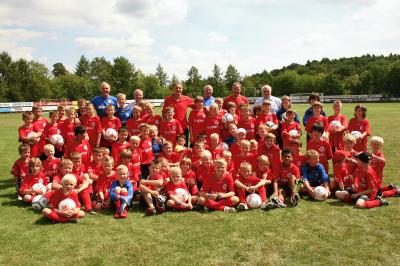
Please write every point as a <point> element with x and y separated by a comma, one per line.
<point>322,149</point>
<point>225,187</point>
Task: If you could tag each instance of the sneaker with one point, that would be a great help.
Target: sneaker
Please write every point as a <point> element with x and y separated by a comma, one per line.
<point>229,209</point>
<point>122,208</point>
<point>269,205</point>
<point>91,212</point>
<point>392,186</point>
<point>277,202</point>
<point>383,202</point>
<point>117,215</point>
<point>19,197</point>
<point>294,199</point>
<point>263,206</point>
<point>242,207</point>
<point>151,211</point>
<point>161,199</point>
<point>124,214</point>
<point>398,192</point>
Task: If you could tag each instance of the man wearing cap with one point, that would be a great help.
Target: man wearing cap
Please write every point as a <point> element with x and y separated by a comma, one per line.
<point>365,185</point>
<point>100,102</point>
<point>235,97</point>
<point>266,91</point>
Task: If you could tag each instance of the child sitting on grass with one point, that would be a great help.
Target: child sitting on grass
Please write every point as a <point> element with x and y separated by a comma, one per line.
<point>121,192</point>
<point>179,197</point>
<point>29,187</point>
<point>68,183</point>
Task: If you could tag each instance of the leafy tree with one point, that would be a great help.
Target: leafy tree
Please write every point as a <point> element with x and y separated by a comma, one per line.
<point>231,76</point>
<point>123,74</point>
<point>59,70</point>
<point>101,70</point>
<point>83,67</point>
<point>393,80</point>
<point>331,85</point>
<point>217,82</point>
<point>161,75</point>
<point>194,82</point>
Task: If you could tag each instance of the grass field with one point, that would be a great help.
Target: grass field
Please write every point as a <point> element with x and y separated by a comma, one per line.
<point>315,233</point>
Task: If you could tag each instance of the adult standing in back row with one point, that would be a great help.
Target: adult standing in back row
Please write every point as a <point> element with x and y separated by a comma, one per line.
<point>100,103</point>
<point>180,103</point>
<point>235,97</point>
<point>266,91</point>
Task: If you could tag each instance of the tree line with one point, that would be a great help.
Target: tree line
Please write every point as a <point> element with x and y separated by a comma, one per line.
<point>22,80</point>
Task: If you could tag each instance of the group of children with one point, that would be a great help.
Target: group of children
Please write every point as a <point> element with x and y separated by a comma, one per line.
<point>234,153</point>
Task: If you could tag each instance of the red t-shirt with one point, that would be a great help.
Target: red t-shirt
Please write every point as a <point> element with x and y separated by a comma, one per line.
<point>285,129</point>
<point>239,100</point>
<point>146,151</point>
<point>378,167</point>
<point>133,173</point>
<point>204,173</point>
<point>24,132</point>
<point>299,159</point>
<point>170,188</point>
<point>153,120</point>
<point>361,126</point>
<point>83,148</point>
<point>136,158</point>
<point>29,180</point>
<point>20,168</point>
<point>116,148</point>
<point>223,185</point>
<point>39,125</point>
<point>336,139</point>
<point>216,153</point>
<point>104,182</point>
<point>366,179</point>
<point>213,125</point>
<point>67,132</point>
<point>172,158</point>
<point>170,130</point>
<point>238,159</point>
<point>180,107</point>
<point>133,126</point>
<point>93,128</point>
<point>264,118</point>
<point>56,196</point>
<point>196,122</point>
<point>249,181</point>
<point>284,173</point>
<point>341,174</point>
<point>273,154</point>
<point>268,172</point>
<point>313,120</point>
<point>51,167</point>
<point>155,177</point>
<point>250,126</point>
<point>324,149</point>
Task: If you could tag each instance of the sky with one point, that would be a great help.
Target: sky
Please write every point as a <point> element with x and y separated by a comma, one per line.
<point>253,35</point>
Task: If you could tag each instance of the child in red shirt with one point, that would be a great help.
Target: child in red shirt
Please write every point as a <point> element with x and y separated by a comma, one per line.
<point>151,118</point>
<point>52,165</point>
<point>81,145</point>
<point>196,119</point>
<point>135,159</point>
<point>230,167</point>
<point>298,158</point>
<point>170,127</point>
<point>68,127</point>
<point>215,146</point>
<point>245,155</point>
<point>267,116</point>
<point>107,176</point>
<point>34,182</point>
<point>169,154</point>
<point>151,189</point>
<point>317,118</point>
<point>321,145</point>
<point>361,124</point>
<point>27,133</point>
<point>20,167</point>
<point>246,184</point>
<point>213,122</point>
<point>62,118</point>
<point>179,197</point>
<point>247,122</point>
<point>263,171</point>
<point>272,150</point>
<point>120,144</point>
<point>290,129</point>
<point>189,175</point>
<point>146,150</point>
<point>218,191</point>
<point>52,128</point>
<point>109,121</point>
<point>365,185</point>
<point>66,168</point>
<point>67,191</point>
<point>341,175</point>
<point>95,168</point>
<point>93,125</point>
<point>39,123</point>
<point>133,123</point>
<point>336,134</point>
<point>205,168</point>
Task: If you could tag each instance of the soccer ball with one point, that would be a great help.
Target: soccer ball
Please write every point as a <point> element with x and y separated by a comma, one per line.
<point>356,134</point>
<point>270,124</point>
<point>57,139</point>
<point>40,186</point>
<point>182,194</point>
<point>226,118</point>
<point>293,133</point>
<point>334,125</point>
<point>321,193</point>
<point>111,133</point>
<point>66,204</point>
<point>39,202</point>
<point>253,201</point>
<point>32,135</point>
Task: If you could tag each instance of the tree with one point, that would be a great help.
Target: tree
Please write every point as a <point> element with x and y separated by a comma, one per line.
<point>285,82</point>
<point>59,70</point>
<point>83,67</point>
<point>161,75</point>
<point>100,70</point>
<point>194,82</point>
<point>231,76</point>
<point>393,80</point>
<point>331,85</point>
<point>123,75</point>
<point>217,82</point>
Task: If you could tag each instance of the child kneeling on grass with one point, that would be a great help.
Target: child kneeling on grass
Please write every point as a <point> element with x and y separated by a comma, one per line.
<point>68,214</point>
<point>179,197</point>
<point>217,192</point>
<point>121,192</point>
<point>365,185</point>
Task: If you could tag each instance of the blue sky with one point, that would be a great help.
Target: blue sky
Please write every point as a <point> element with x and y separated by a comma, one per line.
<point>253,35</point>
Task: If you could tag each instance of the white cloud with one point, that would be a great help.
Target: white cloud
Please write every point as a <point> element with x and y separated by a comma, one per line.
<point>214,37</point>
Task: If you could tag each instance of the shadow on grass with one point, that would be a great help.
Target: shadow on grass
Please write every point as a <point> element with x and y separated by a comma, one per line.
<point>44,221</point>
<point>7,184</point>
<point>338,203</point>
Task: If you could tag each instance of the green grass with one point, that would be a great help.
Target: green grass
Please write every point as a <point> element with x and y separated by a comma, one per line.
<point>315,233</point>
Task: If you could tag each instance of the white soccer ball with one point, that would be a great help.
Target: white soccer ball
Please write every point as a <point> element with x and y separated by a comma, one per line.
<point>66,204</point>
<point>253,201</point>
<point>32,135</point>
<point>293,133</point>
<point>57,139</point>
<point>182,194</point>
<point>321,193</point>
<point>225,146</point>
<point>270,124</point>
<point>40,187</point>
<point>39,202</point>
<point>356,134</point>
<point>111,133</point>
<point>335,125</point>
<point>226,118</point>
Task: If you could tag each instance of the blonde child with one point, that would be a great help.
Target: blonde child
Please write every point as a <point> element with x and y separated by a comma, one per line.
<point>34,183</point>
<point>179,197</point>
<point>93,125</point>
<point>27,133</point>
<point>123,111</point>
<point>121,192</point>
<point>336,134</point>
<point>104,183</point>
<point>151,189</point>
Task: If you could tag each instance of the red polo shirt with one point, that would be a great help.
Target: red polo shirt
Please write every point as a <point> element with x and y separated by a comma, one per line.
<point>180,107</point>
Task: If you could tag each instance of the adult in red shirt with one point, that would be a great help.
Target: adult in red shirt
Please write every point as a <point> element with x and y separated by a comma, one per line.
<point>235,97</point>
<point>180,103</point>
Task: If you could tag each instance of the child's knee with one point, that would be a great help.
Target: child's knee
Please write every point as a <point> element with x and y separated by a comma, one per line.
<point>117,190</point>
<point>46,211</point>
<point>235,200</point>
<point>170,203</point>
<point>81,214</point>
<point>27,198</point>
<point>360,204</point>
<point>201,200</point>
<point>124,190</point>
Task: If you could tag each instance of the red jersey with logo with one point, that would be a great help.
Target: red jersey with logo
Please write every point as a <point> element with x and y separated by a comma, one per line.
<point>68,132</point>
<point>314,120</point>
<point>378,166</point>
<point>204,173</point>
<point>107,123</point>
<point>216,153</point>
<point>285,129</point>
<point>273,154</point>
<point>51,167</point>
<point>155,177</point>
<point>264,118</point>
<point>24,132</point>
<point>56,196</point>
<point>180,107</point>
<point>285,172</point>
<point>39,124</point>
<point>170,130</point>
<point>29,180</point>
<point>366,179</point>
<point>133,173</point>
<point>133,126</point>
<point>235,148</point>
<point>213,125</point>
<point>170,188</point>
<point>361,126</point>
<point>172,158</point>
<point>238,159</point>
<point>239,100</point>
<point>20,167</point>
<point>83,148</point>
<point>250,126</point>
<point>136,158</point>
<point>260,174</point>
<point>298,159</point>
<point>341,174</point>
<point>93,128</point>
<point>224,184</point>
<point>153,120</point>
<point>196,122</point>
<point>116,149</point>
<point>324,149</point>
<point>146,151</point>
<point>249,181</point>
<point>336,139</point>
<point>104,181</point>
